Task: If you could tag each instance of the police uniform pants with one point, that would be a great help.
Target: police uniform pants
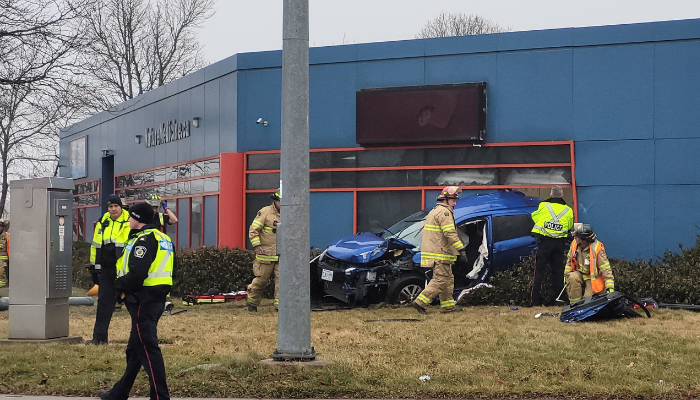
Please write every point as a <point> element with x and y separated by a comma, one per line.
<point>549,258</point>
<point>442,284</point>
<point>143,351</point>
<point>262,272</point>
<point>3,272</point>
<point>106,298</point>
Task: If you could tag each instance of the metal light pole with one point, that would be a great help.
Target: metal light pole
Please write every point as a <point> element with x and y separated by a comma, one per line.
<point>294,319</point>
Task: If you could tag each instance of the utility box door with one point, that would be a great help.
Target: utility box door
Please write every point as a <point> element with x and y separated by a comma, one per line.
<point>60,244</point>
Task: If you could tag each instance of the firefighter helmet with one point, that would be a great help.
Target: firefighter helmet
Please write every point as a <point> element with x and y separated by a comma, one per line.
<point>449,192</point>
<point>277,195</point>
<point>153,200</point>
<point>584,232</point>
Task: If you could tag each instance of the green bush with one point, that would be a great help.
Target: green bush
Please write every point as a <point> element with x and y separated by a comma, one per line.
<point>81,257</point>
<point>229,270</point>
<point>674,279</point>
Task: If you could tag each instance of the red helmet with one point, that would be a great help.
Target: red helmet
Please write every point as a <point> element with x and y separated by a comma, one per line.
<point>449,192</point>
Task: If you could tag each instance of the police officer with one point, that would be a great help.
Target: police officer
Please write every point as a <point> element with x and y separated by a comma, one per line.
<point>553,221</point>
<point>4,253</point>
<point>440,247</point>
<point>587,268</point>
<point>111,233</point>
<point>263,237</point>
<point>145,276</point>
<point>161,220</point>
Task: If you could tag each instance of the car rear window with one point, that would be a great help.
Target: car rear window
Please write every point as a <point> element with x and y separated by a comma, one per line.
<point>511,226</point>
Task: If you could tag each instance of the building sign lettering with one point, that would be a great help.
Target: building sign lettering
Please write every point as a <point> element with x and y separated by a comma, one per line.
<point>167,133</point>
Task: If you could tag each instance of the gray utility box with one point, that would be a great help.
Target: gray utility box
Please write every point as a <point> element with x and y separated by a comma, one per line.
<point>41,257</point>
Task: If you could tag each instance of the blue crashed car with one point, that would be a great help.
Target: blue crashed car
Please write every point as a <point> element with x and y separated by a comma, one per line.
<point>370,268</point>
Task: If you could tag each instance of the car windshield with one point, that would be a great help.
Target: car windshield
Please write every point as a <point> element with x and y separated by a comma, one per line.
<point>409,229</point>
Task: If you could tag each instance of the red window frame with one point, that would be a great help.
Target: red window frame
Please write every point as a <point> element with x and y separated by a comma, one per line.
<point>423,189</point>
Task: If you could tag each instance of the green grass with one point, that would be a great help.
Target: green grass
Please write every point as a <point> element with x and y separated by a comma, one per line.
<point>481,352</point>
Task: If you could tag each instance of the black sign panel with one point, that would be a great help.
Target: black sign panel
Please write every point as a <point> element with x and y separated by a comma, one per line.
<point>422,114</point>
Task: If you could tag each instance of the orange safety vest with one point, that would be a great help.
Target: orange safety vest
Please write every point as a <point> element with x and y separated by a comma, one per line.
<point>597,282</point>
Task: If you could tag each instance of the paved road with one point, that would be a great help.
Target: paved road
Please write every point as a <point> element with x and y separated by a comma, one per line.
<point>27,397</point>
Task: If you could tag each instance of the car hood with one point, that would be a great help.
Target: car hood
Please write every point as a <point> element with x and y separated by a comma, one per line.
<point>364,247</point>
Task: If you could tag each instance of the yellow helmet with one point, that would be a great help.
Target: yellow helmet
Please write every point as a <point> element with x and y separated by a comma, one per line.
<point>277,195</point>
<point>153,200</point>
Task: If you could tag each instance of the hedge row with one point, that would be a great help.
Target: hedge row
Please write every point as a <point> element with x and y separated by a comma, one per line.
<point>673,279</point>
<point>197,271</point>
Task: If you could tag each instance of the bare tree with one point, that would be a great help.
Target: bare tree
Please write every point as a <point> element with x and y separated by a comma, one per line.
<point>138,45</point>
<point>40,89</point>
<point>445,25</point>
<point>34,39</point>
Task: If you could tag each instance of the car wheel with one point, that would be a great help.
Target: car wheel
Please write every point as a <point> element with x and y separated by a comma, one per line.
<point>405,289</point>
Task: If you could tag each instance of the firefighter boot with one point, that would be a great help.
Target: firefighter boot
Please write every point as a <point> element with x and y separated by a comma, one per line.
<point>252,308</point>
<point>420,309</point>
<point>450,310</point>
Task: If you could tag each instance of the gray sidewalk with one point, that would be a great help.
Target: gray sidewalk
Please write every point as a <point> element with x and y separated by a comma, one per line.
<point>30,397</point>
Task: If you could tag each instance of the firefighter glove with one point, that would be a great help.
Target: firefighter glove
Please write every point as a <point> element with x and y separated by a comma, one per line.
<point>609,290</point>
<point>258,250</point>
<point>164,204</point>
<point>462,256</point>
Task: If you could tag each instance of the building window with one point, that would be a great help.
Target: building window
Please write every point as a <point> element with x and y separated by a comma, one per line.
<point>79,225</point>
<point>196,223</point>
<point>377,211</point>
<point>183,228</point>
<point>178,184</point>
<point>390,183</point>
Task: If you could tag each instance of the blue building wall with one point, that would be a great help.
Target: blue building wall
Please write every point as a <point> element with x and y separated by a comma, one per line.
<point>627,95</point>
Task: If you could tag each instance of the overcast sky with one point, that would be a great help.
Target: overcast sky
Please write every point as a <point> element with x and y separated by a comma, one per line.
<point>242,26</point>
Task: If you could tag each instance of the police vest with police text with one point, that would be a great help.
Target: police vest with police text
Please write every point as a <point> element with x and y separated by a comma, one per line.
<point>161,269</point>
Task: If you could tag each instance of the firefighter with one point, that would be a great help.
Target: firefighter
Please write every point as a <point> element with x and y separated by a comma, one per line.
<point>111,233</point>
<point>440,247</point>
<point>553,221</point>
<point>144,278</point>
<point>263,237</point>
<point>4,253</point>
<point>160,220</point>
<point>587,270</point>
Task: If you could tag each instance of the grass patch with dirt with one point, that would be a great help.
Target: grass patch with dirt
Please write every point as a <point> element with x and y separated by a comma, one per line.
<point>485,351</point>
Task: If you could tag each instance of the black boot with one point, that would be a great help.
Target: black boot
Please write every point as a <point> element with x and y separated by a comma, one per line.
<point>420,309</point>
<point>104,394</point>
<point>252,308</point>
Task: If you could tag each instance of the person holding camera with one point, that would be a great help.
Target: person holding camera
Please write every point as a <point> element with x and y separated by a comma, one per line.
<point>111,233</point>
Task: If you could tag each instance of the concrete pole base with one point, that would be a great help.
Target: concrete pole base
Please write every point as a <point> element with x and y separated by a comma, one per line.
<point>309,363</point>
<point>65,339</point>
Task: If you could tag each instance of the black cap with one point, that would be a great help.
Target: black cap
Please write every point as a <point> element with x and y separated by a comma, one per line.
<point>114,199</point>
<point>141,212</point>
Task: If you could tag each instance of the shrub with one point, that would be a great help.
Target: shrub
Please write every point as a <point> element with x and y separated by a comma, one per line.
<point>674,279</point>
<point>81,257</point>
<point>229,270</point>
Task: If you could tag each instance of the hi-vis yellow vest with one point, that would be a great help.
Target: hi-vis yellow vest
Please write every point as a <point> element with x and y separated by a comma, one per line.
<point>553,219</point>
<point>108,231</point>
<point>161,270</point>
